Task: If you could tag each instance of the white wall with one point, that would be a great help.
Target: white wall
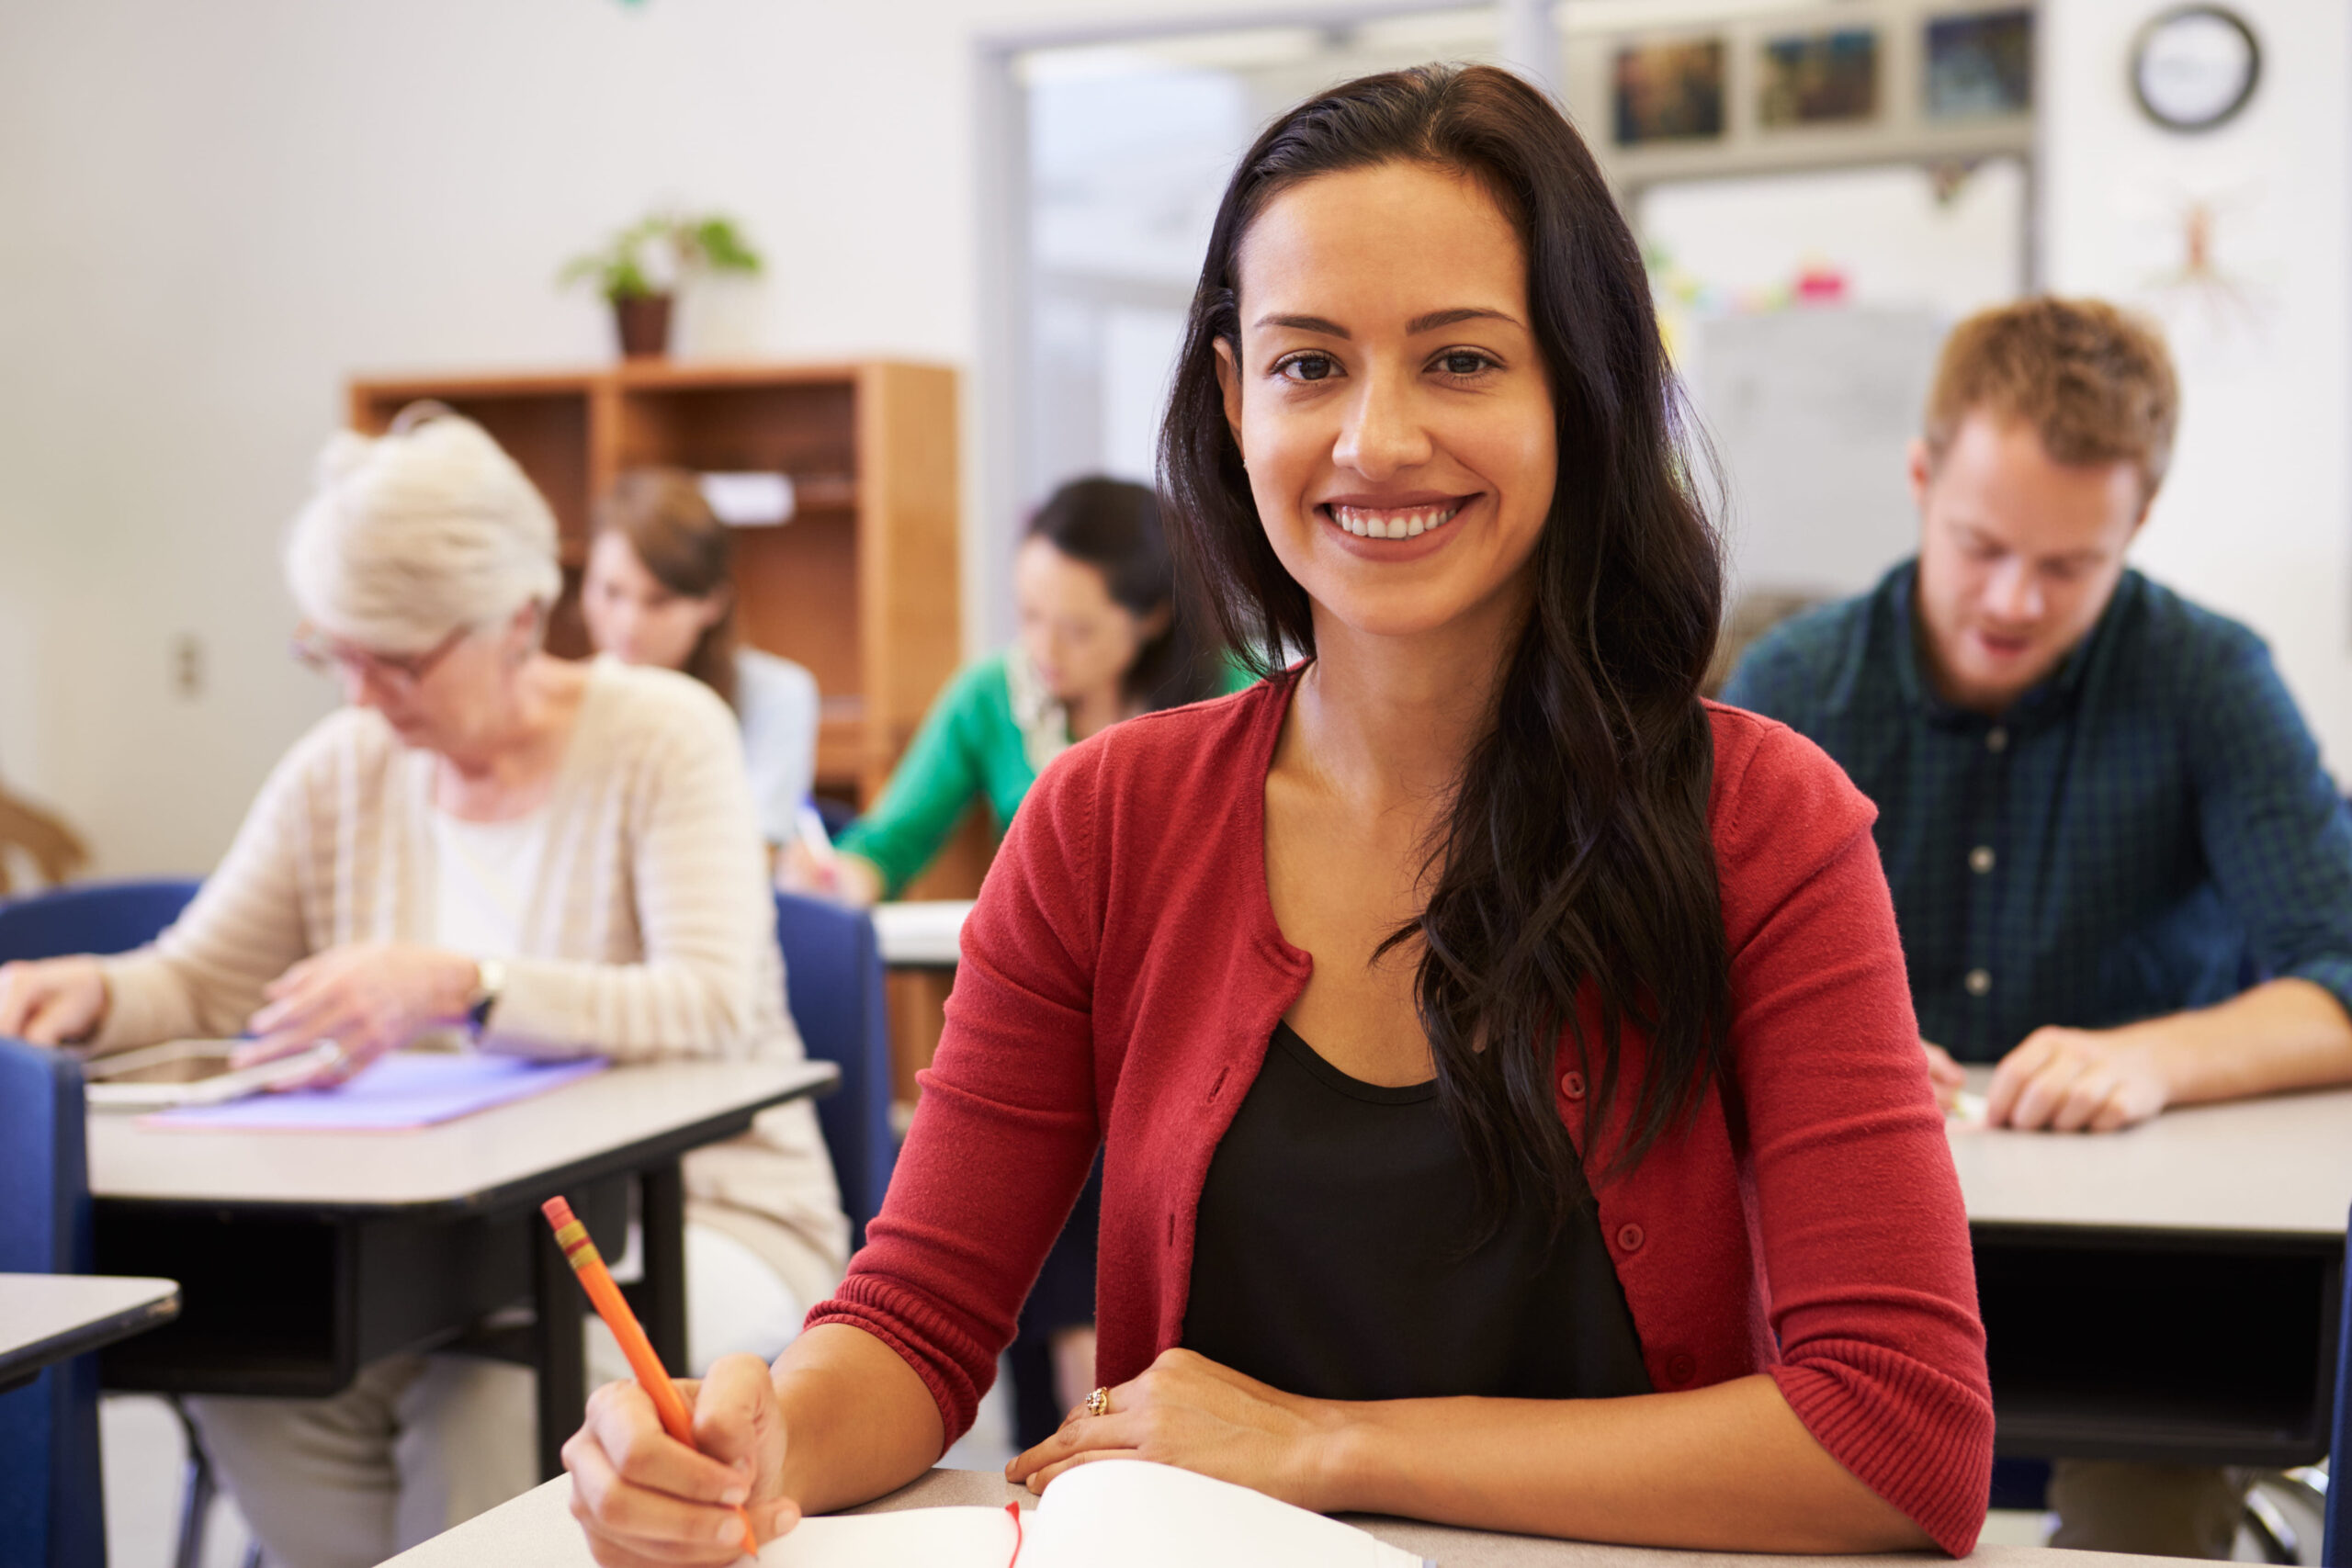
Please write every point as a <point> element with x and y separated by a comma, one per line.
<point>2256,519</point>
<point>214,213</point>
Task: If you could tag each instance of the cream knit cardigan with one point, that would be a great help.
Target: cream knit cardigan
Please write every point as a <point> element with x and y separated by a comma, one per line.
<point>651,935</point>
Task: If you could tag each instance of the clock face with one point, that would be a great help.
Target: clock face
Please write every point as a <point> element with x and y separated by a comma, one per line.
<point>2194,67</point>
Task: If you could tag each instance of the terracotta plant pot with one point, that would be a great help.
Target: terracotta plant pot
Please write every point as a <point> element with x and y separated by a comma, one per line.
<point>644,323</point>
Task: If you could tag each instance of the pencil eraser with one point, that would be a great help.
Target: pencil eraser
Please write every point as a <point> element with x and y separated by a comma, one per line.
<point>558,1211</point>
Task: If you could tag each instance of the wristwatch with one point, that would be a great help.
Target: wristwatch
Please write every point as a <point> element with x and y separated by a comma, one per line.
<point>489,978</point>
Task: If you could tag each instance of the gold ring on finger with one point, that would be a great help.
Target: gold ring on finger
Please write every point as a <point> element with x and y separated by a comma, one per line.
<point>1099,1402</point>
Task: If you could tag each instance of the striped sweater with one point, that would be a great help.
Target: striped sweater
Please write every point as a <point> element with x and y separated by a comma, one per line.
<point>649,936</point>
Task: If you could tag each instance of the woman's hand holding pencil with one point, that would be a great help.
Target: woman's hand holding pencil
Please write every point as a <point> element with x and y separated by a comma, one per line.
<point>671,1470</point>
<point>645,1499</point>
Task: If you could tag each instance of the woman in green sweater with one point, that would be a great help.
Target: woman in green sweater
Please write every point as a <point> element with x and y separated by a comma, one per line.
<point>1100,641</point>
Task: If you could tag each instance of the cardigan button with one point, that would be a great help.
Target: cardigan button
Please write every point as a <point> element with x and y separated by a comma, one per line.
<point>1572,1085</point>
<point>1629,1237</point>
<point>1681,1367</point>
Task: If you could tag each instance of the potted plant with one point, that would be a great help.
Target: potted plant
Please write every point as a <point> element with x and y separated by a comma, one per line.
<point>640,268</point>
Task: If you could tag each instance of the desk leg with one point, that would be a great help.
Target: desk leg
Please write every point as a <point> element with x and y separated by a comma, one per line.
<point>562,1379</point>
<point>660,1297</point>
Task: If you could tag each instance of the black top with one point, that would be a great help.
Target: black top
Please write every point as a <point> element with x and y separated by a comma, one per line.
<point>1327,1256</point>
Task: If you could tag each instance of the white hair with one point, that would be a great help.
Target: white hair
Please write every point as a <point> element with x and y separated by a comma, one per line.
<point>419,533</point>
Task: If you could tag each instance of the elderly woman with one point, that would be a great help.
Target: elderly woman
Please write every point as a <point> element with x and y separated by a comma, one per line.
<point>551,858</point>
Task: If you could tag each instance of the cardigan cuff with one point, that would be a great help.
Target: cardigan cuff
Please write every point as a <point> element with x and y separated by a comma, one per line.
<point>139,1004</point>
<point>925,1338</point>
<point>1915,1436</point>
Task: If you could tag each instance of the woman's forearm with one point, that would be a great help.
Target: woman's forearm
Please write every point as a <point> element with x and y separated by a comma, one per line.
<point>1728,1468</point>
<point>858,1421</point>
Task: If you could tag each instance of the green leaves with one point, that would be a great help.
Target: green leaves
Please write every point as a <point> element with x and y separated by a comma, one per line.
<point>654,254</point>
<point>722,248</point>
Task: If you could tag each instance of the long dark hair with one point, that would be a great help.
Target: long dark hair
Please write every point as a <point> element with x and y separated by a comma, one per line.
<point>1113,526</point>
<point>1575,866</point>
<point>662,515</point>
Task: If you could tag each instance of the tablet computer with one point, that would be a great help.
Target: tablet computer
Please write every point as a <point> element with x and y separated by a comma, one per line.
<point>191,1072</point>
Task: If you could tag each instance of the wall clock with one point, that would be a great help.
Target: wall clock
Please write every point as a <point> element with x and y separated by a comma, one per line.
<point>2194,67</point>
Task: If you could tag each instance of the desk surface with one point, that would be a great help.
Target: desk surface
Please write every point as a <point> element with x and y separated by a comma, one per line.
<point>2281,1166</point>
<point>465,1163</point>
<point>920,935</point>
<point>536,1530</point>
<point>47,1318</point>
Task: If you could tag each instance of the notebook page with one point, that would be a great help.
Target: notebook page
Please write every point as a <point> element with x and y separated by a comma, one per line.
<point>1140,1515</point>
<point>911,1537</point>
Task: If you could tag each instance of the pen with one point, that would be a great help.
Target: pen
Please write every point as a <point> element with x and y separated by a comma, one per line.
<point>613,1307</point>
<point>819,845</point>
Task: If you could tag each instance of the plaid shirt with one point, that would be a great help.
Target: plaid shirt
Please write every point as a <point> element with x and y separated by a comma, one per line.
<point>2138,835</point>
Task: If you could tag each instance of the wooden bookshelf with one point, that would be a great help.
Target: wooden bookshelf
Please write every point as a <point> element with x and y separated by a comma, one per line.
<point>861,585</point>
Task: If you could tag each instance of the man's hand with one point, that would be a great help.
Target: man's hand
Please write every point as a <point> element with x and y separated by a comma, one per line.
<point>2076,1080</point>
<point>1943,1074</point>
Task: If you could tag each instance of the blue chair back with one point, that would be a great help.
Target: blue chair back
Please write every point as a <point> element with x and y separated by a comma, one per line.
<point>96,917</point>
<point>832,981</point>
<point>2335,1548</point>
<point>52,1506</point>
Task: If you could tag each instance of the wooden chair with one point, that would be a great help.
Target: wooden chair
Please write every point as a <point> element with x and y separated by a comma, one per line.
<point>54,846</point>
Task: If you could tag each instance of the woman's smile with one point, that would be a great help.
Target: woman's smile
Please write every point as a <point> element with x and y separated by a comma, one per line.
<point>1405,519</point>
<point>1394,532</point>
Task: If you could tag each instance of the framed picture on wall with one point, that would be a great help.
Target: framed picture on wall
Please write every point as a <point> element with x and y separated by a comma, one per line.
<point>1669,92</point>
<point>1980,64</point>
<point>1828,78</point>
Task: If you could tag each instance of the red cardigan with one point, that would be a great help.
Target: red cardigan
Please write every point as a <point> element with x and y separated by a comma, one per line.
<point>1121,977</point>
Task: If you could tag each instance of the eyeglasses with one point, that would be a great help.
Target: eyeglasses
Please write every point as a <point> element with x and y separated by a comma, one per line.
<point>401,671</point>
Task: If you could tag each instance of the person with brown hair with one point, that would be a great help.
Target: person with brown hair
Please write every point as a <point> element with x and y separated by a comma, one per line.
<point>658,592</point>
<point>2119,869</point>
<point>1510,1108</point>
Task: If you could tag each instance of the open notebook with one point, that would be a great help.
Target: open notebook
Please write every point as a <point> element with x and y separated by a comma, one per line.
<point>1123,1511</point>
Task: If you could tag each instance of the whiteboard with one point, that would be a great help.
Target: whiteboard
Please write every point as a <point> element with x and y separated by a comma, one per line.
<point>1812,412</point>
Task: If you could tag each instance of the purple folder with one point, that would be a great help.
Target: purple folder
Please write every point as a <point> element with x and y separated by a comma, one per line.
<point>405,1089</point>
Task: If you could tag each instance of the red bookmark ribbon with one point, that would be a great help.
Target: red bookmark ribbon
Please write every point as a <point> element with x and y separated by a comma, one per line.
<point>1014,1509</point>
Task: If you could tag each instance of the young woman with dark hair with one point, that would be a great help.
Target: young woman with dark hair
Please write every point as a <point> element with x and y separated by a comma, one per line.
<point>1510,1104</point>
<point>1101,640</point>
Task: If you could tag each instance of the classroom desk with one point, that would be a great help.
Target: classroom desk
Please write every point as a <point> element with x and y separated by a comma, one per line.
<point>48,1318</point>
<point>304,1256</point>
<point>2169,1292</point>
<point>921,934</point>
<point>536,1530</point>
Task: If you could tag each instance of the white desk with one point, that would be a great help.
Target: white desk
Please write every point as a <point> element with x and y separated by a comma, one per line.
<point>48,1318</point>
<point>2167,1293</point>
<point>304,1256</point>
<point>473,1162</point>
<point>920,935</point>
<point>536,1530</point>
<point>2281,1166</point>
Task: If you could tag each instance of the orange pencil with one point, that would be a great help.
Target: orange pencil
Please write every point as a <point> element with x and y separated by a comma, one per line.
<point>613,1307</point>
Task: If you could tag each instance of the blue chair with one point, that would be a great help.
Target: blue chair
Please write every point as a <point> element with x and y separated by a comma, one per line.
<point>2335,1549</point>
<point>53,1510</point>
<point>833,978</point>
<point>99,916</point>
